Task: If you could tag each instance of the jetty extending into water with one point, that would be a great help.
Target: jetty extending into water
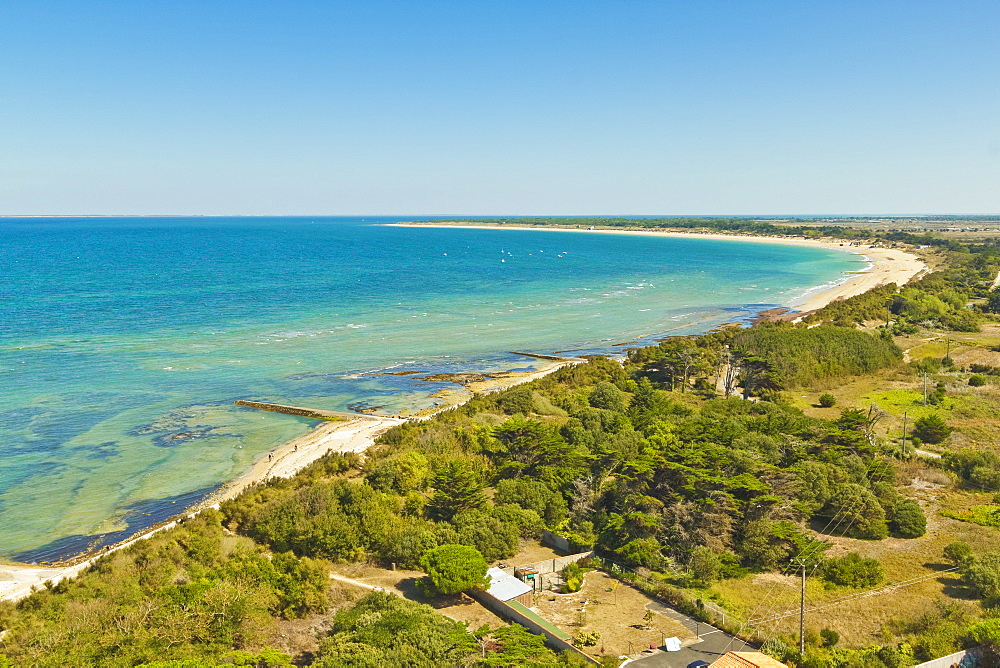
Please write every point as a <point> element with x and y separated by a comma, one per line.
<point>553,358</point>
<point>300,411</point>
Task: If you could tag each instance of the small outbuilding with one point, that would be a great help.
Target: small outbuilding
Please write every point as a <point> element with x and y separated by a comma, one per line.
<point>506,587</point>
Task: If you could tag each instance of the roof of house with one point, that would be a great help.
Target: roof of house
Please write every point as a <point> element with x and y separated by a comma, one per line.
<point>505,586</point>
<point>747,660</point>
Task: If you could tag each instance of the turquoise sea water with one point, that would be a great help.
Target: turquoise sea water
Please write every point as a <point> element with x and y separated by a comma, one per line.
<point>124,341</point>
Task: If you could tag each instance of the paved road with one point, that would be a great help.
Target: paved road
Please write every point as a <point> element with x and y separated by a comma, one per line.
<point>714,643</point>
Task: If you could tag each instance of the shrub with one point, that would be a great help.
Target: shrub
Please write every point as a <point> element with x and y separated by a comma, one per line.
<point>586,638</point>
<point>454,568</point>
<point>572,578</point>
<point>977,380</point>
<point>704,565</point>
<point>516,400</point>
<point>385,630</point>
<point>777,648</point>
<point>827,400</point>
<point>400,474</point>
<point>533,495</point>
<point>829,637</point>
<point>983,576</point>
<point>908,520</point>
<point>986,632</point>
<point>860,508</point>
<point>931,429</point>
<point>985,477</point>
<point>853,570</point>
<point>607,396</point>
<point>958,553</point>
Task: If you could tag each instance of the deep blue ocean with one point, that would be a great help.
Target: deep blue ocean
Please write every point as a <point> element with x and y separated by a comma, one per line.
<point>125,341</point>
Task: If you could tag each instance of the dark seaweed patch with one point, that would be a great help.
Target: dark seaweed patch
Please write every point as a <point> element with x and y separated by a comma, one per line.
<point>104,451</point>
<point>175,429</point>
<point>41,469</point>
<point>138,516</point>
<point>172,439</point>
<point>19,418</point>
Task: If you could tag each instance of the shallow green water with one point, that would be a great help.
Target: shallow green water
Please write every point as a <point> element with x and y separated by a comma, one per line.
<point>125,341</point>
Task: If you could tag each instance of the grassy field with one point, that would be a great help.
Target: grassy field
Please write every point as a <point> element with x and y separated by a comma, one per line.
<point>916,567</point>
<point>869,619</point>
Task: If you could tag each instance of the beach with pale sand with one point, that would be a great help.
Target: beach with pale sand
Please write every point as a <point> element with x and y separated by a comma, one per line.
<point>19,580</point>
<point>887,265</point>
<point>351,435</point>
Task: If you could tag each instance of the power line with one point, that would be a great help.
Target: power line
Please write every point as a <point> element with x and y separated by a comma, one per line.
<point>843,514</point>
<point>864,594</point>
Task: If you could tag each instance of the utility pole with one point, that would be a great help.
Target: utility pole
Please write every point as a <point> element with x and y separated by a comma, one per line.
<point>802,607</point>
<point>904,433</point>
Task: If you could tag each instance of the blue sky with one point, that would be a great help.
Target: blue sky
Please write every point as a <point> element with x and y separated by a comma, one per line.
<point>478,107</point>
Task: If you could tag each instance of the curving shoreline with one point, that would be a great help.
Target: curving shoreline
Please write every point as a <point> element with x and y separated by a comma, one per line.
<point>357,435</point>
<point>886,266</point>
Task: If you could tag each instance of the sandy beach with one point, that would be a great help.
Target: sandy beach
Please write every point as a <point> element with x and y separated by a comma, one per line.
<point>356,435</point>
<point>19,580</point>
<point>887,265</point>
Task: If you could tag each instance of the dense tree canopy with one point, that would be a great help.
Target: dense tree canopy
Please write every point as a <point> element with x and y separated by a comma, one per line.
<point>656,462</point>
<point>454,568</point>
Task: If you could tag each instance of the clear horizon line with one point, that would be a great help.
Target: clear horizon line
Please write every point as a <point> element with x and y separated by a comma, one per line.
<point>497,215</point>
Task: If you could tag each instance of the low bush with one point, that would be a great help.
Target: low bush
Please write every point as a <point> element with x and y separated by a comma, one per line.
<point>931,429</point>
<point>853,570</point>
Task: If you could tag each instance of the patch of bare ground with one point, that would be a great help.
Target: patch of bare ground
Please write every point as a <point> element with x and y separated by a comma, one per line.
<point>614,610</point>
<point>532,553</point>
<point>300,637</point>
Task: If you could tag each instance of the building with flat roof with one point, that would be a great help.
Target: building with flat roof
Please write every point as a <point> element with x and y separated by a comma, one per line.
<point>506,587</point>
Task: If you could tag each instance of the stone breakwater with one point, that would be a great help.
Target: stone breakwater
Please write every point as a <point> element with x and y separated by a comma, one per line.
<point>297,410</point>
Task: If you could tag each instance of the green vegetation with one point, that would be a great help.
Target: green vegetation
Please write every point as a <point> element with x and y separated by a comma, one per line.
<point>803,356</point>
<point>686,467</point>
<point>190,593</point>
<point>908,520</point>
<point>853,570</point>
<point>384,630</point>
<point>939,300</point>
<point>931,429</point>
<point>978,469</point>
<point>572,575</point>
<point>454,568</point>
<point>987,515</point>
